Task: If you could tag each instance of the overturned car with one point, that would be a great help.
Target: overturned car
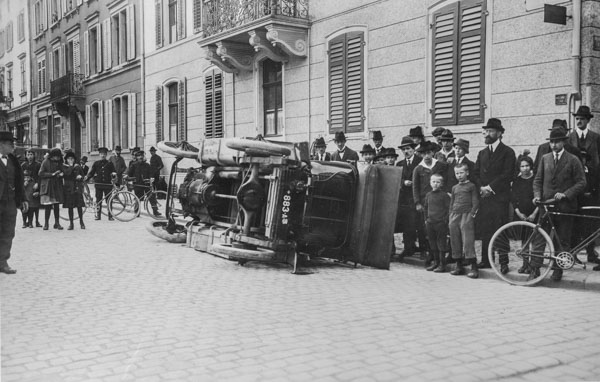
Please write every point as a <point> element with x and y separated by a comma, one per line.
<point>258,200</point>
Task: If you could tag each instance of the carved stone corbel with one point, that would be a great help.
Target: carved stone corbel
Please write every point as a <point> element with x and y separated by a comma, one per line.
<point>258,40</point>
<point>291,40</point>
<point>215,59</point>
<point>236,54</point>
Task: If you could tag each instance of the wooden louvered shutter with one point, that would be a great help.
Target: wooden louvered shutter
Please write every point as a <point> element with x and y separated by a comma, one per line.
<point>180,19</point>
<point>213,112</point>
<point>101,134</point>
<point>130,12</point>
<point>109,123</point>
<point>76,57</point>
<point>197,16</point>
<point>181,110</point>
<point>445,27</point>
<point>346,85</point>
<point>86,53</point>
<point>132,122</point>
<point>106,44</point>
<point>88,128</point>
<point>158,23</point>
<point>159,112</point>
<point>471,62</point>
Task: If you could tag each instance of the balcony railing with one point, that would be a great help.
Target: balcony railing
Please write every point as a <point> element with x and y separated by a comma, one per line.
<point>66,86</point>
<point>224,15</point>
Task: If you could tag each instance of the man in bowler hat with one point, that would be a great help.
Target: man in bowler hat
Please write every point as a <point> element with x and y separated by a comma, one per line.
<point>561,177</point>
<point>320,147</point>
<point>586,140</point>
<point>12,196</point>
<point>378,142</point>
<point>343,153</point>
<point>493,173</point>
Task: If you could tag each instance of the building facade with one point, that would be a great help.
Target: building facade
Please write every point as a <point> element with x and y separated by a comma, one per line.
<point>87,80</point>
<point>15,94</point>
<point>299,69</point>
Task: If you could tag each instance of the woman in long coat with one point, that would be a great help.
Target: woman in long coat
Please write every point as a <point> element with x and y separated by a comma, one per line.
<point>73,188</point>
<point>51,186</point>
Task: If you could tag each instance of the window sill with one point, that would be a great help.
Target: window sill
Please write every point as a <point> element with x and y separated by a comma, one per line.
<point>55,24</point>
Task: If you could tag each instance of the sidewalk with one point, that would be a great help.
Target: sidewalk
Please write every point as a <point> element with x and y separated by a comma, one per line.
<point>574,278</point>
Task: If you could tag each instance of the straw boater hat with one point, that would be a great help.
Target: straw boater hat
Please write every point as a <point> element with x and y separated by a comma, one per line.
<point>494,123</point>
<point>584,111</point>
<point>407,141</point>
<point>463,144</point>
<point>367,149</point>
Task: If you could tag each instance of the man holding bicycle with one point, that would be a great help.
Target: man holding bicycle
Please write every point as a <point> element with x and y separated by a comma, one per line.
<point>560,177</point>
<point>141,171</point>
<point>102,171</point>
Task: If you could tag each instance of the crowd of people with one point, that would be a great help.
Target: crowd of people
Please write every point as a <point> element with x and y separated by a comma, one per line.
<point>446,200</point>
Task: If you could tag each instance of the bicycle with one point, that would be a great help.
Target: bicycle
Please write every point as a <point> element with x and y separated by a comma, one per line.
<point>524,244</point>
<point>151,194</point>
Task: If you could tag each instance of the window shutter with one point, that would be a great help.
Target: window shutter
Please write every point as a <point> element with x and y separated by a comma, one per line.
<point>130,32</point>
<point>182,105</point>
<point>158,123</point>
<point>197,16</point>
<point>444,65</point>
<point>180,19</point>
<point>109,123</point>
<point>86,52</point>
<point>106,44</point>
<point>76,57</point>
<point>213,122</point>
<point>218,106</point>
<point>88,116</point>
<point>98,48</point>
<point>62,66</point>
<point>64,7</point>
<point>100,127</point>
<point>158,23</point>
<point>51,67</point>
<point>132,122</point>
<point>45,14</point>
<point>346,85</point>
<point>471,62</point>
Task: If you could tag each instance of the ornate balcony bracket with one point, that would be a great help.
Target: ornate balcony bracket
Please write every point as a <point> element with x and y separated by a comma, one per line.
<point>215,59</point>
<point>264,48</point>
<point>239,55</point>
<point>292,41</point>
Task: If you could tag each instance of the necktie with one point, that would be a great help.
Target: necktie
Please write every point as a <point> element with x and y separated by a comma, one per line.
<point>491,149</point>
<point>408,162</point>
<point>555,158</point>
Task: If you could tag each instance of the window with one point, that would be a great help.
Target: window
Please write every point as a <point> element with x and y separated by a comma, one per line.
<point>175,19</point>
<point>21,26</point>
<point>124,132</point>
<point>23,66</point>
<point>123,35</point>
<point>272,97</point>
<point>346,82</point>
<point>9,36</point>
<point>56,131</point>
<point>175,107</point>
<point>172,21</point>
<point>197,16</point>
<point>41,77</point>
<point>55,63</point>
<point>458,63</point>
<point>94,120</point>
<point>9,82</point>
<point>43,128</point>
<point>213,123</point>
<point>1,43</point>
<point>55,13</point>
<point>40,14</point>
<point>72,56</point>
<point>92,50</point>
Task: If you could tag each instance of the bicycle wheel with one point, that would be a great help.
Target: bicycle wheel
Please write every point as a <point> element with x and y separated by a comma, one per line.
<point>124,206</point>
<point>522,244</point>
<point>161,202</point>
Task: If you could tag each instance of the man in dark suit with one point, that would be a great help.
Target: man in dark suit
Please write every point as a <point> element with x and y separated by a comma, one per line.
<point>544,148</point>
<point>378,142</point>
<point>561,177</point>
<point>586,140</point>
<point>343,153</point>
<point>103,172</point>
<point>320,147</point>
<point>407,212</point>
<point>12,196</point>
<point>493,173</point>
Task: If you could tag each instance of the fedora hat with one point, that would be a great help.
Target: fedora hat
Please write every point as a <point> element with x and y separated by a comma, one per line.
<point>428,146</point>
<point>558,134</point>
<point>117,148</point>
<point>367,149</point>
<point>389,152</point>
<point>339,136</point>
<point>559,123</point>
<point>437,131</point>
<point>446,135</point>
<point>494,123</point>
<point>463,144</point>
<point>584,111</point>
<point>7,136</point>
<point>377,135</point>
<point>152,149</point>
<point>320,142</point>
<point>407,141</point>
<point>416,132</point>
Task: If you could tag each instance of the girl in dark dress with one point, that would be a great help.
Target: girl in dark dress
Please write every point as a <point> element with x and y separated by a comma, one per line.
<point>522,199</point>
<point>51,188</point>
<point>73,188</point>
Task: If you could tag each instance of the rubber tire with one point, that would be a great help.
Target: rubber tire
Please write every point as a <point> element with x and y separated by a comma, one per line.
<point>148,206</point>
<point>503,231</point>
<point>157,228</point>
<point>259,254</point>
<point>129,197</point>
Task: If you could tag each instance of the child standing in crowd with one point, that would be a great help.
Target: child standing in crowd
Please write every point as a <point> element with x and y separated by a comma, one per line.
<point>464,204</point>
<point>389,156</point>
<point>521,197</point>
<point>51,187</point>
<point>367,153</point>
<point>73,178</point>
<point>436,207</point>
<point>32,196</point>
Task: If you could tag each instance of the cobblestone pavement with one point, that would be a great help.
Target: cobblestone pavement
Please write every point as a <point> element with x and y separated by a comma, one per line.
<point>113,303</point>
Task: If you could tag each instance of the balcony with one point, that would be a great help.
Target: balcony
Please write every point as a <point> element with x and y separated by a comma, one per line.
<point>67,92</point>
<point>237,32</point>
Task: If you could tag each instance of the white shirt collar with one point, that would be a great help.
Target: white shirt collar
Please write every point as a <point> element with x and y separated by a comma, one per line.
<point>560,153</point>
<point>495,145</point>
<point>583,132</point>
<point>433,162</point>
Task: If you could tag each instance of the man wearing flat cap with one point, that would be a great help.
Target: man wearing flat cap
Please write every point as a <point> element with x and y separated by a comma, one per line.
<point>561,177</point>
<point>343,153</point>
<point>12,196</point>
<point>320,147</point>
<point>493,173</point>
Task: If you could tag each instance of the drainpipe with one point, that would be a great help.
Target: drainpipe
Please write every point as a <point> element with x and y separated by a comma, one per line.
<point>576,59</point>
<point>143,77</point>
